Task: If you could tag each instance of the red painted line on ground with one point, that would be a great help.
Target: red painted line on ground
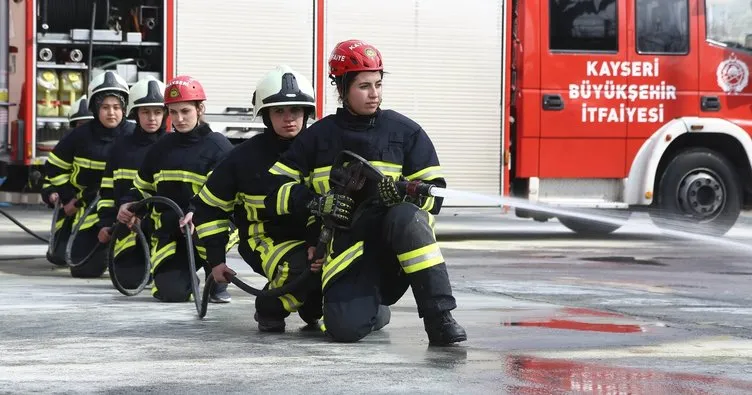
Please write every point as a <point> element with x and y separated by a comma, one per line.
<point>580,326</point>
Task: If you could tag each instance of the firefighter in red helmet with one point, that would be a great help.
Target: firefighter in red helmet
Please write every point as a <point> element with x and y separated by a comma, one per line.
<point>176,167</point>
<point>391,244</point>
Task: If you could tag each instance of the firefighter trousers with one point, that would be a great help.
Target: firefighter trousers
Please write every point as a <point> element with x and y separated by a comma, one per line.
<point>128,256</point>
<point>369,269</point>
<point>85,241</point>
<point>170,270</point>
<point>289,264</point>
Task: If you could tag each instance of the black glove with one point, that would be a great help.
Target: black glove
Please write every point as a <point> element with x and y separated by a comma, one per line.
<point>334,206</point>
<point>388,192</point>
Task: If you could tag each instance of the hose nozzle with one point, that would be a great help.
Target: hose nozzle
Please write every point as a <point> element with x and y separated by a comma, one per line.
<point>414,188</point>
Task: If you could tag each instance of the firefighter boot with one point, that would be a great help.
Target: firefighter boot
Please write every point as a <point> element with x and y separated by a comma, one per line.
<point>269,324</point>
<point>443,330</point>
<point>433,295</point>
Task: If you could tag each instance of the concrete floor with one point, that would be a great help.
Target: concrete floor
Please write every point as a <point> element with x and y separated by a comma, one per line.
<point>546,312</point>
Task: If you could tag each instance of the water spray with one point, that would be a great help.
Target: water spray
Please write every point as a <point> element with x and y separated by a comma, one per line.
<point>417,188</point>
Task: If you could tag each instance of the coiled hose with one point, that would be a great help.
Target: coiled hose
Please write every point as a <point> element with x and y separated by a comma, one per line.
<point>195,286</point>
<point>74,233</point>
<point>110,258</point>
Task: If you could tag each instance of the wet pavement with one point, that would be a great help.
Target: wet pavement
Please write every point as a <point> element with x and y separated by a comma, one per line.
<point>546,311</point>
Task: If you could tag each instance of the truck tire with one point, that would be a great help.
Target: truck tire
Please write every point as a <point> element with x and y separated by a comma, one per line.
<point>587,227</point>
<point>699,192</point>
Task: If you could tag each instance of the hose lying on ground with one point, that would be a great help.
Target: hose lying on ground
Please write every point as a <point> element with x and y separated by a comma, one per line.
<point>27,230</point>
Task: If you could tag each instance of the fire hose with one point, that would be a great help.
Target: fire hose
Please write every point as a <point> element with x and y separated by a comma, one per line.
<point>90,209</point>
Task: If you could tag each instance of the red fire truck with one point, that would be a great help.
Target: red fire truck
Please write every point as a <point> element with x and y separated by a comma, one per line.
<point>619,105</point>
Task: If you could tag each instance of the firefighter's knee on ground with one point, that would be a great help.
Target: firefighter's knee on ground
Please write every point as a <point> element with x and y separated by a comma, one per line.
<point>406,220</point>
<point>171,292</point>
<point>349,322</point>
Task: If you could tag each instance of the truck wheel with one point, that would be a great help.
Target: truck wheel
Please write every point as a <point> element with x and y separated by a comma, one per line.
<point>698,192</point>
<point>593,228</point>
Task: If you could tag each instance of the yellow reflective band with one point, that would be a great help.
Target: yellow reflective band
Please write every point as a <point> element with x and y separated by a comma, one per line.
<point>431,221</point>
<point>124,244</point>
<point>201,251</point>
<point>290,303</point>
<point>256,230</point>
<point>271,258</point>
<point>107,183</point>
<point>320,179</point>
<point>280,169</point>
<point>260,244</point>
<point>55,160</point>
<point>59,224</point>
<point>88,163</point>
<point>283,195</point>
<point>341,262</point>
<point>125,174</point>
<point>311,221</point>
<point>157,256</point>
<point>46,185</point>
<point>102,203</point>
<point>213,228</point>
<point>427,174</point>
<point>252,204</point>
<point>421,258</point>
<point>60,180</point>
<point>428,204</point>
<point>212,200</point>
<point>283,271</point>
<point>179,176</point>
<point>234,239</point>
<point>88,222</point>
<point>142,185</point>
<point>393,170</point>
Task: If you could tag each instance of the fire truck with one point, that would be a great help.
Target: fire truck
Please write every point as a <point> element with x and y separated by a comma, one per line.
<point>614,105</point>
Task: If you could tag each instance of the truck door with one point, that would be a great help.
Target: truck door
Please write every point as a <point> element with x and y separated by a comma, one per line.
<point>725,59</point>
<point>663,55</point>
<point>582,57</point>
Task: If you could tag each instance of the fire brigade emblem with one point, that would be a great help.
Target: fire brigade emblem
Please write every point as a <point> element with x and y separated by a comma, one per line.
<point>370,52</point>
<point>174,92</point>
<point>733,75</point>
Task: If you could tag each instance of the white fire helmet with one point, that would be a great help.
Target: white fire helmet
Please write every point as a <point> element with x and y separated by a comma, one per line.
<point>283,86</point>
<point>108,81</point>
<point>147,92</point>
<point>79,111</point>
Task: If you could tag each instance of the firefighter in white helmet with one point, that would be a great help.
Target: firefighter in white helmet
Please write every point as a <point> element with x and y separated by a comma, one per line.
<point>75,166</point>
<point>273,246</point>
<point>146,106</point>
<point>79,113</point>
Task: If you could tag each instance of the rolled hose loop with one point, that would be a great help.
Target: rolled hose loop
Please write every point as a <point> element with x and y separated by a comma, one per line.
<point>74,233</point>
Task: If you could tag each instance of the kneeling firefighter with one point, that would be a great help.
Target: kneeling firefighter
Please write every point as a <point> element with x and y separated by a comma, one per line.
<point>176,167</point>
<point>146,106</point>
<point>274,246</point>
<point>390,245</point>
<point>74,171</point>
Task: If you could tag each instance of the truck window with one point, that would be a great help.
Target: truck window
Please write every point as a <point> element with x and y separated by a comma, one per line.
<point>662,26</point>
<point>729,22</point>
<point>583,25</point>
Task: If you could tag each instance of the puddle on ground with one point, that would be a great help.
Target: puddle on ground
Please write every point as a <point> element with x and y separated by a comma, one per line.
<point>552,376</point>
